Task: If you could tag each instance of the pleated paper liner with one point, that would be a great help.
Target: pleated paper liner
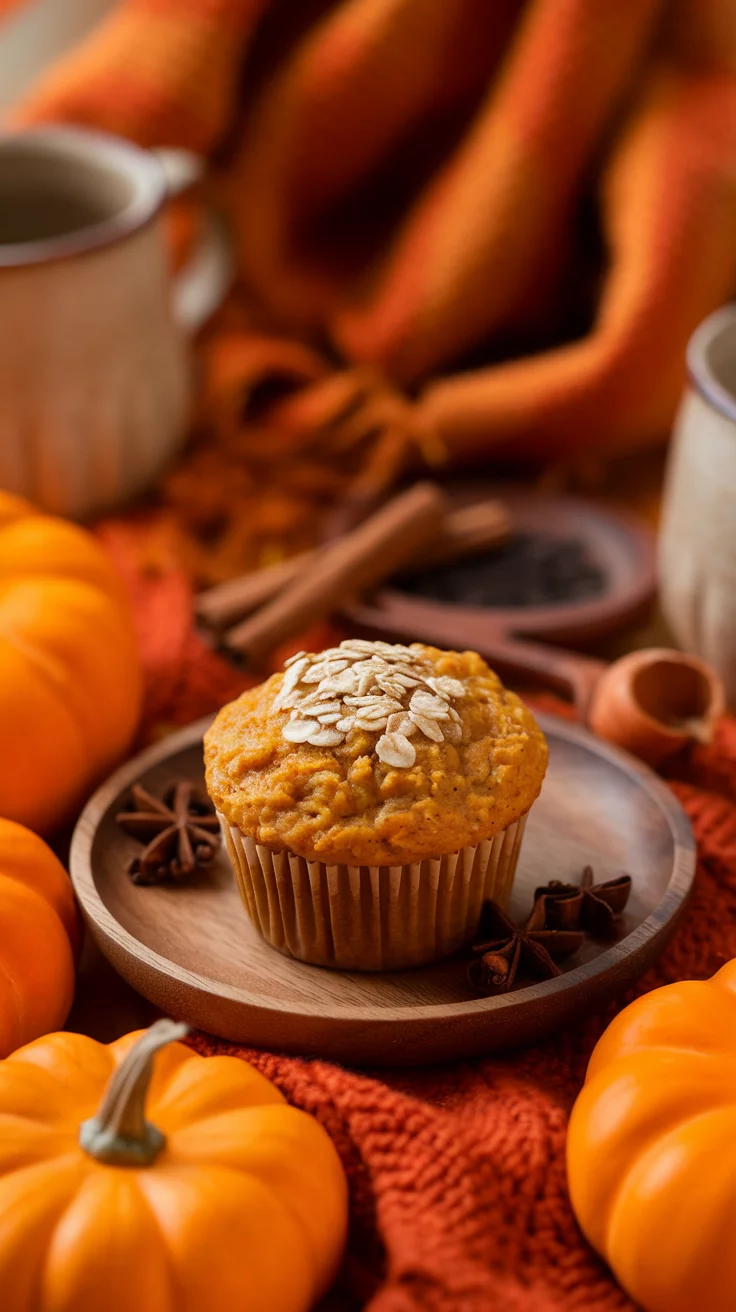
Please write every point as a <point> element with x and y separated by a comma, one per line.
<point>371,917</point>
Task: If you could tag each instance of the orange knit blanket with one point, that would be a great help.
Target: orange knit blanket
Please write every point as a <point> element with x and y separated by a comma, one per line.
<point>517,211</point>
<point>457,1176</point>
<point>464,228</point>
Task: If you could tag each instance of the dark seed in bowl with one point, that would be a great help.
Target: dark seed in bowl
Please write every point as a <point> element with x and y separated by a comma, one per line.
<point>529,570</point>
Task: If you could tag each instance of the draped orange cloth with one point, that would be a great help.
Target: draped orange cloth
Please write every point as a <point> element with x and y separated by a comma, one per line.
<point>517,211</point>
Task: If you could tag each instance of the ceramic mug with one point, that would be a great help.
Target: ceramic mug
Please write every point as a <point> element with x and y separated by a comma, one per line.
<point>94,366</point>
<point>697,555</point>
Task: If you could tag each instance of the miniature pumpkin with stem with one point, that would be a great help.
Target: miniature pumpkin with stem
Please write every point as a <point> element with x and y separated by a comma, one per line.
<point>191,1187</point>
<point>650,1150</point>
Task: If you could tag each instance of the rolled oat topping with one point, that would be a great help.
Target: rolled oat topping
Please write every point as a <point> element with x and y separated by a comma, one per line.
<point>388,690</point>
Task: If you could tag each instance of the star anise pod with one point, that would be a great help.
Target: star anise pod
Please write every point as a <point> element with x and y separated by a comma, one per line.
<point>503,949</point>
<point>180,832</point>
<point>588,906</point>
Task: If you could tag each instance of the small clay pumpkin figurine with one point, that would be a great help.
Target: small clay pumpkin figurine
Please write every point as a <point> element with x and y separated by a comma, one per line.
<point>190,1186</point>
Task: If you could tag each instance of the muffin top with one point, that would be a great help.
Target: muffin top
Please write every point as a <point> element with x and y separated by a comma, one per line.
<point>372,754</point>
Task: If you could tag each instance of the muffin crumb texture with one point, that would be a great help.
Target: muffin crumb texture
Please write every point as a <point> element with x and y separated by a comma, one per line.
<point>372,754</point>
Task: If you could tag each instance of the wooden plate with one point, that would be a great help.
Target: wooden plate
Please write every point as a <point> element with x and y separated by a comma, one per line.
<point>192,951</point>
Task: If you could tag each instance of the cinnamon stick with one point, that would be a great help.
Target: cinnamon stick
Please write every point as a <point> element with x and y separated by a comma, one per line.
<point>465,531</point>
<point>236,598</point>
<point>377,548</point>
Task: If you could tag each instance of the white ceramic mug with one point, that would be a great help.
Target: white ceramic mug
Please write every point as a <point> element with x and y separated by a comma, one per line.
<point>698,534</point>
<point>94,367</point>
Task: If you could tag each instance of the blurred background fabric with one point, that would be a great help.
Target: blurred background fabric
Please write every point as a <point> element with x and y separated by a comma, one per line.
<point>35,32</point>
<point>516,212</point>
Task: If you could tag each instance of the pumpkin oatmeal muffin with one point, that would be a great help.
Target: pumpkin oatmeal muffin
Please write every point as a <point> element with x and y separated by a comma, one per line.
<point>372,797</point>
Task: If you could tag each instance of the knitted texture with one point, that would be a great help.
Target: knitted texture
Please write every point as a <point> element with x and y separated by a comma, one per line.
<point>519,211</point>
<point>457,1176</point>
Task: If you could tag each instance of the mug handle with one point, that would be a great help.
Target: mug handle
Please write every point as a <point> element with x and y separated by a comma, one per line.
<point>202,284</point>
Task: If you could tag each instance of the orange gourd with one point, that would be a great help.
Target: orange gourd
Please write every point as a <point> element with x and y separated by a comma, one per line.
<point>39,935</point>
<point>70,682</point>
<point>227,1198</point>
<point>652,1147</point>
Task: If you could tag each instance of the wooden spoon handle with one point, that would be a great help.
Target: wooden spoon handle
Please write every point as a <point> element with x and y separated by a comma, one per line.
<point>470,529</point>
<point>378,547</point>
<point>573,675</point>
<point>555,668</point>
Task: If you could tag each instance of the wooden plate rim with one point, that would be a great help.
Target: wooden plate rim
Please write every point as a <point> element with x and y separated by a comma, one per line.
<point>671,904</point>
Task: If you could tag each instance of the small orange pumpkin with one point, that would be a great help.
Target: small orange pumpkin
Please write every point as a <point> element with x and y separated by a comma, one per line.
<point>39,935</point>
<point>228,1198</point>
<point>70,682</point>
<point>651,1153</point>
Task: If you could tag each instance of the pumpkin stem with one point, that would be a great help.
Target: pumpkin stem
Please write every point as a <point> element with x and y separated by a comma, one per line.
<point>120,1134</point>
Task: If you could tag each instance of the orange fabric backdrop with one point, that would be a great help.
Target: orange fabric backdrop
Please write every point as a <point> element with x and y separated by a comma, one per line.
<point>517,211</point>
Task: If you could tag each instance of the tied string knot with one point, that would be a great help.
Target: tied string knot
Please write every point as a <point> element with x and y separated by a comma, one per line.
<point>360,414</point>
<point>287,451</point>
